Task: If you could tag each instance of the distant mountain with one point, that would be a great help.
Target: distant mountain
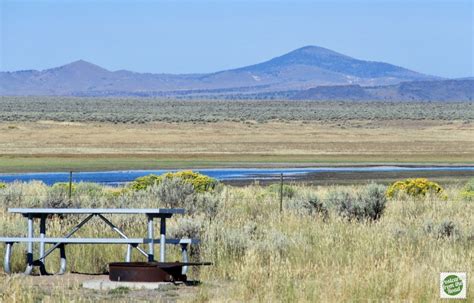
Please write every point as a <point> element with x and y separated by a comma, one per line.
<point>315,66</point>
<point>444,90</point>
<point>304,68</point>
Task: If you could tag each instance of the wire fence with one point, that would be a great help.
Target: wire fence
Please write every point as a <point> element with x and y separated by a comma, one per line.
<point>69,191</point>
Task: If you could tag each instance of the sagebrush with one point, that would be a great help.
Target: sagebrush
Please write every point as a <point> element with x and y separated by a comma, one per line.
<point>393,253</point>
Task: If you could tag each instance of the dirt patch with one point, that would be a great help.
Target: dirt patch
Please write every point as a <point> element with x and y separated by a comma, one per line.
<point>70,286</point>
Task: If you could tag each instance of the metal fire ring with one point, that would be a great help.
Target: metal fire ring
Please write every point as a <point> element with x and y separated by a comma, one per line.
<point>149,271</point>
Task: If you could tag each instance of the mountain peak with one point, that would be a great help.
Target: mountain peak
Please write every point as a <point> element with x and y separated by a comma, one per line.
<point>322,59</point>
<point>82,65</point>
<point>315,50</point>
<point>80,61</point>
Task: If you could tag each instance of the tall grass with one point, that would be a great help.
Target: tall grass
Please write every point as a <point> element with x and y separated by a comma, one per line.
<point>260,254</point>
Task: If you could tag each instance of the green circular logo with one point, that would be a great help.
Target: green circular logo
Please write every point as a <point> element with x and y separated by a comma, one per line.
<point>452,285</point>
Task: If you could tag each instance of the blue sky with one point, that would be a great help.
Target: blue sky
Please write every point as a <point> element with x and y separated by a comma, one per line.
<point>434,37</point>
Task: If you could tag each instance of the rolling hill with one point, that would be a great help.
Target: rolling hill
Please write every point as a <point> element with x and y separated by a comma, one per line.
<point>301,69</point>
<point>439,90</point>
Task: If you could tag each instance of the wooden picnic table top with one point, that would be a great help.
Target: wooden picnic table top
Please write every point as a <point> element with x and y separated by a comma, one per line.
<point>64,211</point>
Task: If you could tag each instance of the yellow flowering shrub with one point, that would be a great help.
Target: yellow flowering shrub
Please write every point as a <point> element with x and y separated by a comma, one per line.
<point>467,192</point>
<point>200,182</point>
<point>418,187</point>
<point>141,183</point>
<point>2,185</point>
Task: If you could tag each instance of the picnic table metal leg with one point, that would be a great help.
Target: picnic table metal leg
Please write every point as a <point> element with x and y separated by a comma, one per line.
<point>184,253</point>
<point>150,236</point>
<point>162,239</point>
<point>6,260</point>
<point>128,256</point>
<point>42,235</point>
<point>63,263</point>
<point>72,232</point>
<point>29,252</point>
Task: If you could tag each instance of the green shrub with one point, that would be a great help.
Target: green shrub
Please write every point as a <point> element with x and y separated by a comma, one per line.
<point>344,203</point>
<point>58,196</point>
<point>307,205</point>
<point>88,188</point>
<point>114,192</point>
<point>373,200</point>
<point>173,192</point>
<point>89,195</point>
<point>201,183</point>
<point>288,191</point>
<point>448,229</point>
<point>467,192</point>
<point>316,206</point>
<point>25,194</point>
<point>85,194</point>
<point>63,187</point>
<point>273,242</point>
<point>368,204</point>
<point>207,203</point>
<point>3,185</point>
<point>444,230</point>
<point>312,205</point>
<point>144,182</point>
<point>233,241</point>
<point>418,187</point>
<point>186,228</point>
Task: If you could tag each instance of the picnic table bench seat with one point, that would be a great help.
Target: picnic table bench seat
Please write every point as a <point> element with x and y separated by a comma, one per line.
<point>132,242</point>
<point>60,242</point>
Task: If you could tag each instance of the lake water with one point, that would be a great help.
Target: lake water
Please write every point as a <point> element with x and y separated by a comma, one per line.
<point>223,174</point>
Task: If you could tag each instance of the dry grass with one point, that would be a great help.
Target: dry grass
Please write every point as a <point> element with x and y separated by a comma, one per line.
<point>362,141</point>
<point>262,255</point>
<point>227,137</point>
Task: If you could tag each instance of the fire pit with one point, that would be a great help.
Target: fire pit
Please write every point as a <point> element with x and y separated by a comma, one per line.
<point>150,271</point>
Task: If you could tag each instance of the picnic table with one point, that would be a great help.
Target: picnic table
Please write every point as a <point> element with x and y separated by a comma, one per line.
<point>44,213</point>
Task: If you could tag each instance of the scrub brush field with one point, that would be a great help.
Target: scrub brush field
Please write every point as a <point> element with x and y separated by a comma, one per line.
<point>328,244</point>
